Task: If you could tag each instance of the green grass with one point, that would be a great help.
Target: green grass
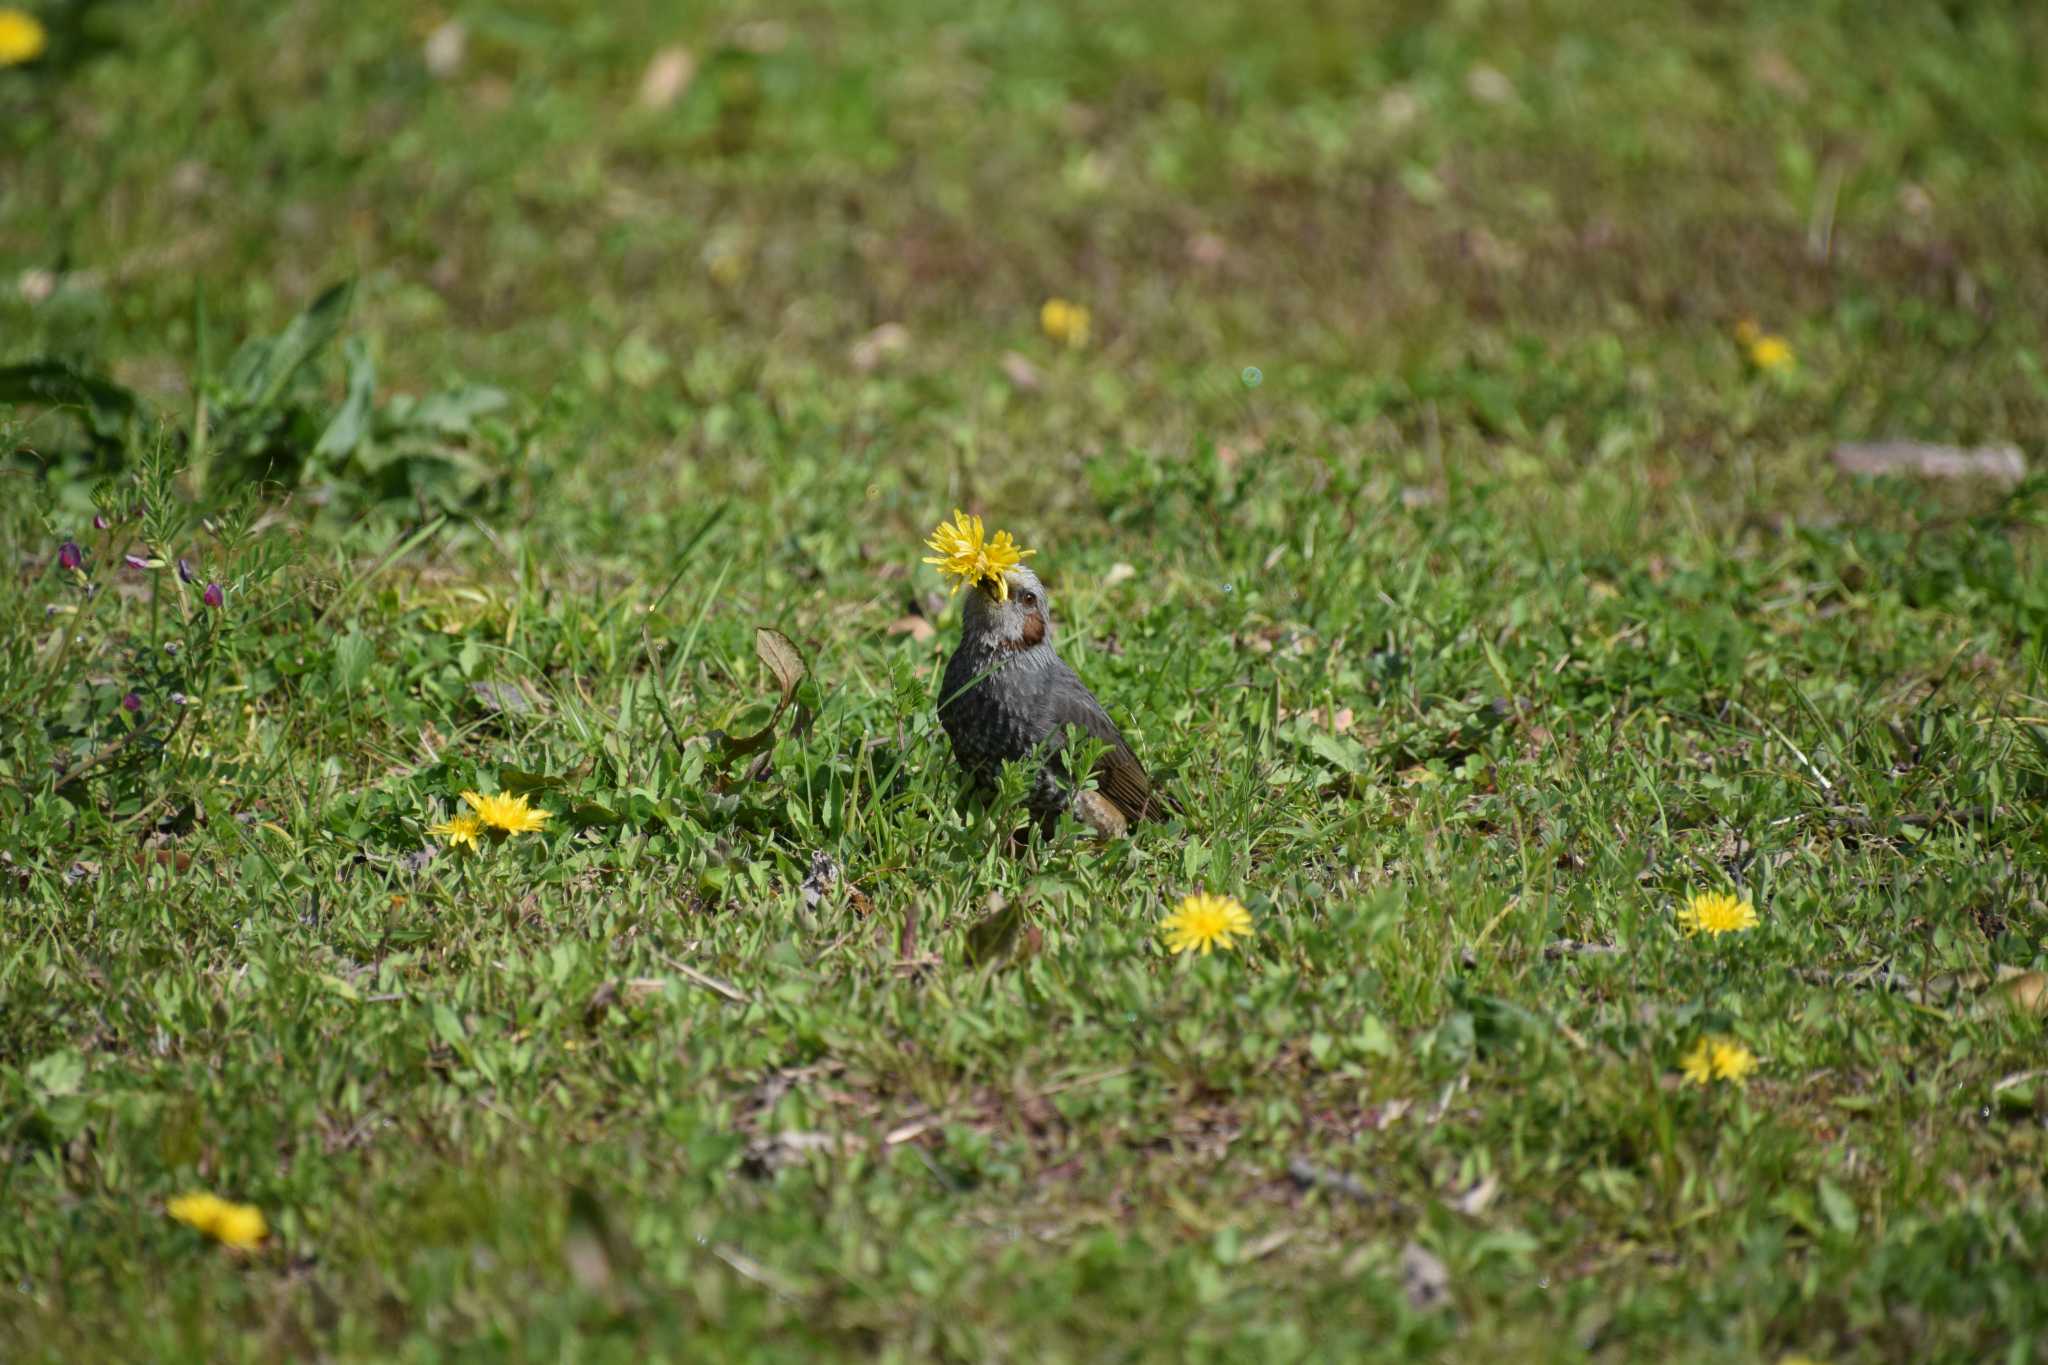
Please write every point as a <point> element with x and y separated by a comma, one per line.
<point>1608,626</point>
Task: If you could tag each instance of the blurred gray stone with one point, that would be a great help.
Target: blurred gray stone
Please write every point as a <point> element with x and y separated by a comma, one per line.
<point>2002,464</point>
<point>1423,1278</point>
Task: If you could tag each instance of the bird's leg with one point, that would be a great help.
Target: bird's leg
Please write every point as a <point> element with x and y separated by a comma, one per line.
<point>1099,814</point>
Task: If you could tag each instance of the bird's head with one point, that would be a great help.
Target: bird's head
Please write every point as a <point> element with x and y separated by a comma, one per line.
<point>1015,615</point>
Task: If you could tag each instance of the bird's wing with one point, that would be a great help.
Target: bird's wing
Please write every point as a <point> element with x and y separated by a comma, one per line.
<point>1118,773</point>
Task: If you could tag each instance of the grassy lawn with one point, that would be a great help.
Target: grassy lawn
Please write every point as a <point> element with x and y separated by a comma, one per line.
<point>1441,498</point>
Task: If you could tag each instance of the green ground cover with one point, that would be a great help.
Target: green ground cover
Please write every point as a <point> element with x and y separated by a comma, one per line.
<point>1419,500</point>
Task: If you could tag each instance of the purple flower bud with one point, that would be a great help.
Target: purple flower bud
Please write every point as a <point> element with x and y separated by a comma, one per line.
<point>213,596</point>
<point>184,569</point>
<point>131,703</point>
<point>69,556</point>
<point>136,561</point>
<point>180,699</point>
<point>100,522</point>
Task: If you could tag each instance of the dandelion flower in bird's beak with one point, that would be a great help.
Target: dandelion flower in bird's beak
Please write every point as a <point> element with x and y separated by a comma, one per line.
<point>961,553</point>
<point>509,813</point>
<point>1204,923</point>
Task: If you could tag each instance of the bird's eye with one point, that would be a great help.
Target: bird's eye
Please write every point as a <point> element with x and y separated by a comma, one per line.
<point>1029,599</point>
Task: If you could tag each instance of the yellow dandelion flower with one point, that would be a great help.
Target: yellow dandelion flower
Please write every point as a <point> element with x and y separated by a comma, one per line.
<point>196,1210</point>
<point>22,37</point>
<point>1064,323</point>
<point>963,554</point>
<point>1764,350</point>
<point>1204,923</point>
<point>1716,913</point>
<point>1770,352</point>
<point>509,813</point>
<point>458,830</point>
<point>240,1226</point>
<point>1733,1062</point>
<point>1717,1059</point>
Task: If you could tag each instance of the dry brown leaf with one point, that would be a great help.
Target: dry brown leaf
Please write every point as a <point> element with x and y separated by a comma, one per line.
<point>783,658</point>
<point>889,339</point>
<point>1489,85</point>
<point>445,48</point>
<point>1474,1201</point>
<point>1774,69</point>
<point>1323,718</point>
<point>588,1244</point>
<point>762,37</point>
<point>1021,372</point>
<point>2024,992</point>
<point>640,988</point>
<point>916,627</point>
<point>668,75</point>
<point>773,1151</point>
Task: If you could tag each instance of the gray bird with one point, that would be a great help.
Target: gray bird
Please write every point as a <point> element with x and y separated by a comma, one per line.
<point>1007,696</point>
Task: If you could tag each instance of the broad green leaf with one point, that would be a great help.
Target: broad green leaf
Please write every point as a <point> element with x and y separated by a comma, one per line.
<point>447,1025</point>
<point>270,365</point>
<point>353,655</point>
<point>350,426</point>
<point>59,1073</point>
<point>1838,1206</point>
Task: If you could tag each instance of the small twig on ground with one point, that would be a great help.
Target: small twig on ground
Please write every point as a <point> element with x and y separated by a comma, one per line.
<point>1797,752</point>
<point>1091,1078</point>
<point>752,1269</point>
<point>1310,1176</point>
<point>2018,1078</point>
<point>106,752</point>
<point>708,982</point>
